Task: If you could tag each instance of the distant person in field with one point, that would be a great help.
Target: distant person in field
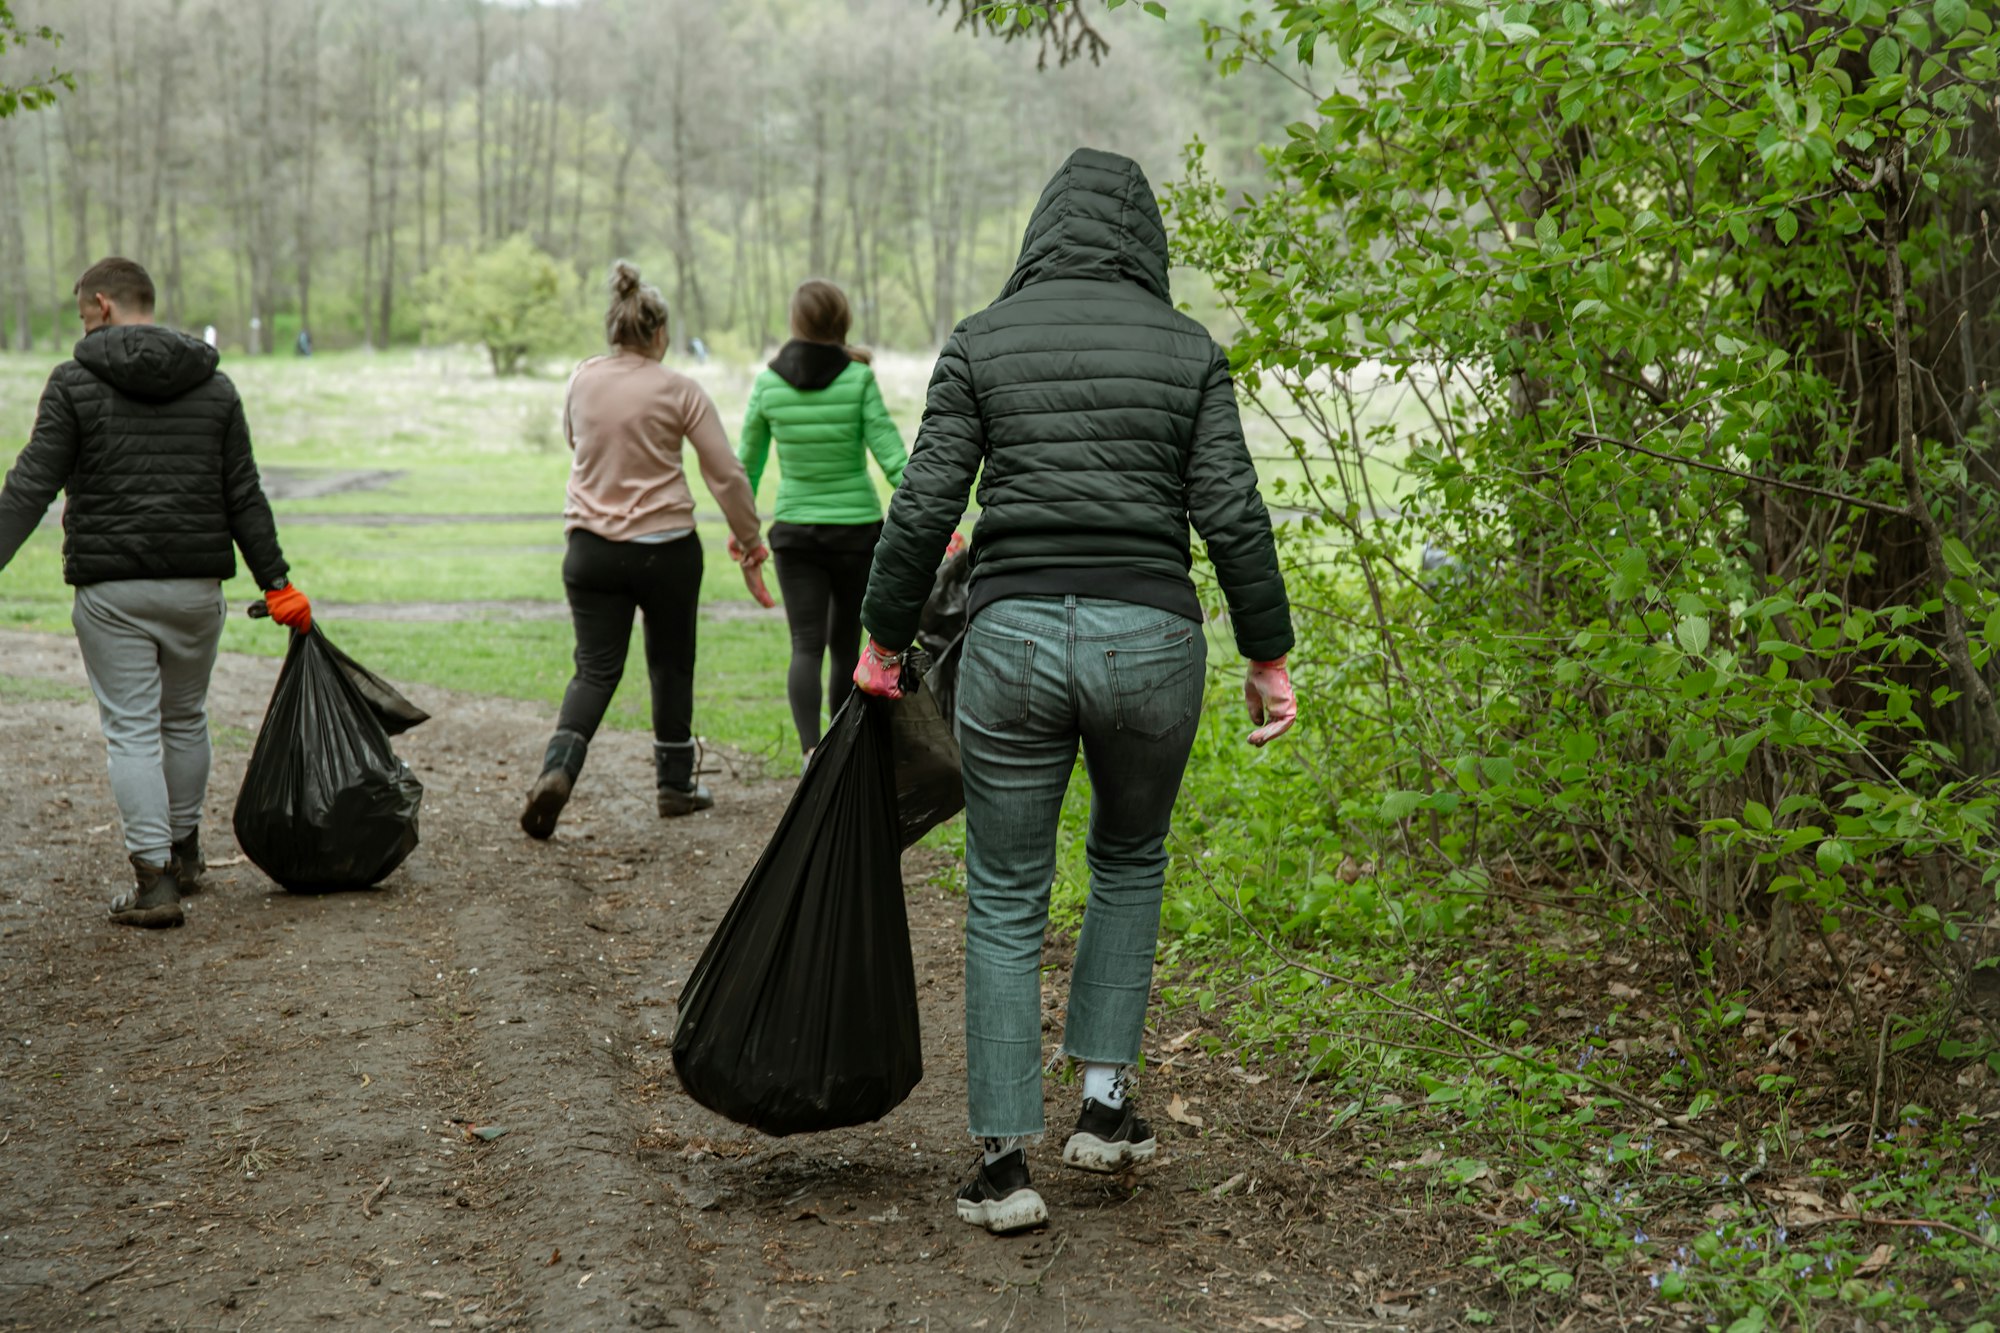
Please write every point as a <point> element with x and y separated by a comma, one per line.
<point>149,440</point>
<point>1099,423</point>
<point>632,546</point>
<point>819,404</point>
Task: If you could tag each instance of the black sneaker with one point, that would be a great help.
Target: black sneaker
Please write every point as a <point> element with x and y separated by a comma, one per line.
<point>153,903</point>
<point>1000,1198</point>
<point>1108,1139</point>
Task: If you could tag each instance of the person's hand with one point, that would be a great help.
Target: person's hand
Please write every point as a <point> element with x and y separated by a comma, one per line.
<point>752,565</point>
<point>288,606</point>
<point>880,672</point>
<point>1273,707</point>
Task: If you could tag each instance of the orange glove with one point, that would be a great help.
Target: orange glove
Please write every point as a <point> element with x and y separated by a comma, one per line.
<point>955,545</point>
<point>288,606</point>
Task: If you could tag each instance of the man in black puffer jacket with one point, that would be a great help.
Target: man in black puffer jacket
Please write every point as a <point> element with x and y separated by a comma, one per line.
<point>150,443</point>
<point>1100,423</point>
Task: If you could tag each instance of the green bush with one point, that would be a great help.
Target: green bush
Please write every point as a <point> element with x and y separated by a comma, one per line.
<point>509,299</point>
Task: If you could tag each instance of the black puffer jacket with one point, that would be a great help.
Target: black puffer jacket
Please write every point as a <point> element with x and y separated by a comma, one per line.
<point>1100,422</point>
<point>150,442</point>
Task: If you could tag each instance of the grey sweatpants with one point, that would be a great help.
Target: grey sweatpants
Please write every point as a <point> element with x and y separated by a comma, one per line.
<point>149,648</point>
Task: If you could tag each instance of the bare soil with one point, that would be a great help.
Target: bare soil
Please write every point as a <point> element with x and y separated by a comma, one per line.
<point>269,1118</point>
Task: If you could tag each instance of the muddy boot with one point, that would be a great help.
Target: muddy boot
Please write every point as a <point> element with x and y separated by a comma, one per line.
<point>190,871</point>
<point>154,903</point>
<point>550,793</point>
<point>673,767</point>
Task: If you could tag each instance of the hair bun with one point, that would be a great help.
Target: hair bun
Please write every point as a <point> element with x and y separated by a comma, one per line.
<point>625,280</point>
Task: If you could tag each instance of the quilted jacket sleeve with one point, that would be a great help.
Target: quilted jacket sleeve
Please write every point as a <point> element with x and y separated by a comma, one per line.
<point>879,428</point>
<point>753,446</point>
<point>251,526</point>
<point>40,472</point>
<point>1227,511</point>
<point>951,442</point>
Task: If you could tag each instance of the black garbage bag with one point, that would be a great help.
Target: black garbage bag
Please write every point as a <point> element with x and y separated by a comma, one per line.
<point>802,1013</point>
<point>326,804</point>
<point>928,789</point>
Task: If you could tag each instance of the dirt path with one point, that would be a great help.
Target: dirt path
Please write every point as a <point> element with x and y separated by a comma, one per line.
<point>262,1120</point>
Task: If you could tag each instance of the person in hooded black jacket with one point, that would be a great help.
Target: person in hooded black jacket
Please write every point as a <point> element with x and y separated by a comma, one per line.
<point>150,443</point>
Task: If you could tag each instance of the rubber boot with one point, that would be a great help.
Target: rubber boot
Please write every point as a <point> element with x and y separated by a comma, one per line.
<point>546,799</point>
<point>190,870</point>
<point>679,792</point>
<point>155,902</point>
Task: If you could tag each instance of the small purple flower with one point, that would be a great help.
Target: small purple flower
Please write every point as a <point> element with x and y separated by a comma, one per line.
<point>1638,1238</point>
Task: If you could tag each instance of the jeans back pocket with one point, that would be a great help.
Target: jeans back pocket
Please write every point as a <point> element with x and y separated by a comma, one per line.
<point>995,677</point>
<point>1156,688</point>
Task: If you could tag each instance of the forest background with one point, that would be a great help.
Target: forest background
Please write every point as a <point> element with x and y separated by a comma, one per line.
<point>1620,375</point>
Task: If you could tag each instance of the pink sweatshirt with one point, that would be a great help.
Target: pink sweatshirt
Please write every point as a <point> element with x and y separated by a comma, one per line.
<point>626,418</point>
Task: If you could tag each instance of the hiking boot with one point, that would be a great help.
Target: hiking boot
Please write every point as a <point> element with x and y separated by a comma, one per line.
<point>190,871</point>
<point>546,799</point>
<point>673,770</point>
<point>1108,1139</point>
<point>154,903</point>
<point>1000,1198</point>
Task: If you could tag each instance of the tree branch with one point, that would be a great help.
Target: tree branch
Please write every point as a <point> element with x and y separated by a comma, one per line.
<point>1893,511</point>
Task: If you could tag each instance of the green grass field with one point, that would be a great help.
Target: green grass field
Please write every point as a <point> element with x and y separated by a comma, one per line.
<point>443,439</point>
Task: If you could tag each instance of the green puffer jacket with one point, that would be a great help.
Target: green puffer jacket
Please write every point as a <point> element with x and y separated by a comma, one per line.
<point>1100,422</point>
<point>826,415</point>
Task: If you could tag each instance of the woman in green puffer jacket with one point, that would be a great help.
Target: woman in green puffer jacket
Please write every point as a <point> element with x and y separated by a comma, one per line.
<point>818,402</point>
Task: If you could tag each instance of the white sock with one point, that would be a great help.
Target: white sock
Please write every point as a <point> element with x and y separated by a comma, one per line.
<point>998,1148</point>
<point>1107,1084</point>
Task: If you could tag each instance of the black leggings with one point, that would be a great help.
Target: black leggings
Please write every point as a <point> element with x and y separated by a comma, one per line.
<point>607,581</point>
<point>822,590</point>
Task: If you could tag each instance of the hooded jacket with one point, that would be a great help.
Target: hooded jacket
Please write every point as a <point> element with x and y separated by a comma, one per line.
<point>824,412</point>
<point>1100,423</point>
<point>149,440</point>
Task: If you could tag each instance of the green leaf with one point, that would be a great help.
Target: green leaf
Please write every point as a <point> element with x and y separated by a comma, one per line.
<point>1547,230</point>
<point>1787,226</point>
<point>1831,856</point>
<point>1588,307</point>
<point>1401,804</point>
<point>1960,560</point>
<point>1949,15</point>
<point>1757,815</point>
<point>1156,9</point>
<point>1629,574</point>
<point>1885,57</point>
<point>1693,634</point>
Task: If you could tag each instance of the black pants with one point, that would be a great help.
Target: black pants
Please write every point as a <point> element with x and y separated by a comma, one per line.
<point>607,581</point>
<point>823,573</point>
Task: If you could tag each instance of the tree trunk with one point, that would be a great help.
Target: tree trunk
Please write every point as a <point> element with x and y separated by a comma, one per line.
<point>309,114</point>
<point>49,235</point>
<point>479,84</point>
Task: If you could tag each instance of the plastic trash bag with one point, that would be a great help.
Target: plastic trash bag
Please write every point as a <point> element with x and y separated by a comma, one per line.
<point>802,1013</point>
<point>326,804</point>
<point>928,789</point>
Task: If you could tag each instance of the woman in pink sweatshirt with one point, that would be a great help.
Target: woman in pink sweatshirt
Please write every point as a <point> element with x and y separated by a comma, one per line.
<point>632,545</point>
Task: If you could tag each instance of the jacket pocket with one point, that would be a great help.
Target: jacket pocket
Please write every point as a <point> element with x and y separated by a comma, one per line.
<point>1155,689</point>
<point>994,680</point>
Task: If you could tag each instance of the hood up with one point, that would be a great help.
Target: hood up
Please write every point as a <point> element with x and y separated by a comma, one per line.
<point>145,361</point>
<point>1097,219</point>
<point>806,365</point>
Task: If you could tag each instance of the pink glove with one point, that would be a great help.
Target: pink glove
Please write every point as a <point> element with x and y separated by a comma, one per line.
<point>880,672</point>
<point>1273,706</point>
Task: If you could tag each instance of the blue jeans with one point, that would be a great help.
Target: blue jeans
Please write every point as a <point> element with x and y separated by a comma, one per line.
<point>1039,675</point>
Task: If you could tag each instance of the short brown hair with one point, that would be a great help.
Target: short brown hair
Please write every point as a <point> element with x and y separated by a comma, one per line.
<point>121,281</point>
<point>638,312</point>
